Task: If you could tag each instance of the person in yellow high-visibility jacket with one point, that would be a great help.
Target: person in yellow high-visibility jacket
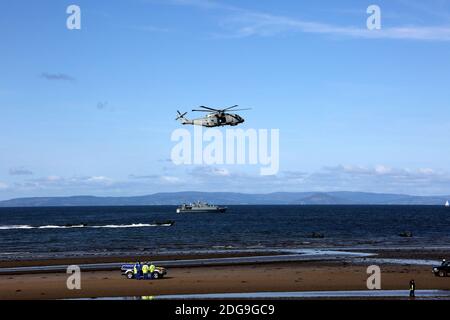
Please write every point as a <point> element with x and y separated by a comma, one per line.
<point>152,269</point>
<point>145,269</point>
<point>412,289</point>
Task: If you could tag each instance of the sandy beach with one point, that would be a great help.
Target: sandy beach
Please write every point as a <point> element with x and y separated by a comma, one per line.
<point>273,277</point>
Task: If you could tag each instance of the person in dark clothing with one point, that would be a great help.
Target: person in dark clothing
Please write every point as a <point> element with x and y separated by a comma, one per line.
<point>412,289</point>
<point>141,275</point>
<point>137,271</point>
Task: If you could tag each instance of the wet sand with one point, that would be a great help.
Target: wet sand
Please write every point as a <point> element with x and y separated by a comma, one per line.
<point>113,259</point>
<point>416,253</point>
<point>305,276</point>
<point>401,253</point>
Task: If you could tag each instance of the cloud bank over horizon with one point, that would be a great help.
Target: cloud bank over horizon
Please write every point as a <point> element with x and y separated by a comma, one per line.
<point>377,179</point>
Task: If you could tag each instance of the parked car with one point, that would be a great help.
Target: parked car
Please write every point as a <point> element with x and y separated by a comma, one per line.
<point>127,270</point>
<point>443,270</point>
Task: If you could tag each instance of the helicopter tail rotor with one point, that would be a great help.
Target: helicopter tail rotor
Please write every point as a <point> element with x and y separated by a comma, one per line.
<point>180,115</point>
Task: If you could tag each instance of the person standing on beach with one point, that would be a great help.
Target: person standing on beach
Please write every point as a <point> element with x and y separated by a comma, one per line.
<point>136,270</point>
<point>145,271</point>
<point>152,269</point>
<point>412,289</point>
<point>140,270</point>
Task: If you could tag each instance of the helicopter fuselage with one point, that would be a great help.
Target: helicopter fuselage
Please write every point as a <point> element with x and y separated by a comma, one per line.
<point>216,120</point>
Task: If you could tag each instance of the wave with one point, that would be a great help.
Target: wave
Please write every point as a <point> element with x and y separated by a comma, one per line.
<point>15,227</point>
<point>59,227</point>
<point>134,225</point>
<point>108,226</point>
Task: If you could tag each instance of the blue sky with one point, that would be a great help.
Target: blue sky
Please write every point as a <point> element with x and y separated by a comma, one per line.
<point>91,111</point>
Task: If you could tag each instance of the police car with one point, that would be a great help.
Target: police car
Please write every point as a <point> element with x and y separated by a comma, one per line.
<point>127,270</point>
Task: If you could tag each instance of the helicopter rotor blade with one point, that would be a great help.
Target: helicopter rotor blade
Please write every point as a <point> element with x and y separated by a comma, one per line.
<point>220,111</point>
<point>212,111</point>
<point>208,108</point>
<point>241,109</point>
<point>230,107</point>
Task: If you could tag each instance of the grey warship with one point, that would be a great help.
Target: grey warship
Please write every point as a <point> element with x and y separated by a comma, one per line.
<point>200,207</point>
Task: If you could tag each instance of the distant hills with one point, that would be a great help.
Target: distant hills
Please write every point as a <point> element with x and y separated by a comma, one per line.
<point>230,198</point>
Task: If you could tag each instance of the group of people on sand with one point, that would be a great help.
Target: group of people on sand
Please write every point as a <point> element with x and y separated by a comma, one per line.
<point>143,271</point>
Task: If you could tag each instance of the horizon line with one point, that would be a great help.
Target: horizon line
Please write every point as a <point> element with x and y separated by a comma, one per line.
<point>230,192</point>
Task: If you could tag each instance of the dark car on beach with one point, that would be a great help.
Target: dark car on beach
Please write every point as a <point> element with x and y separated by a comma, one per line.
<point>443,270</point>
<point>127,270</point>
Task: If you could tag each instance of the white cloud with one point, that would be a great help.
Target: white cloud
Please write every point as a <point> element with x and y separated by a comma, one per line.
<point>245,23</point>
<point>380,169</point>
<point>427,171</point>
<point>57,77</point>
<point>379,178</point>
<point>209,172</point>
<point>55,181</point>
<point>257,24</point>
<point>52,178</point>
<point>382,178</point>
<point>20,171</point>
<point>221,172</point>
<point>98,180</point>
<point>143,177</point>
<point>3,186</point>
<point>383,170</point>
<point>170,179</point>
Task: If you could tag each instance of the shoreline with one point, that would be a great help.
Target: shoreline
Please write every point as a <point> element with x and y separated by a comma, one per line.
<point>413,253</point>
<point>126,258</point>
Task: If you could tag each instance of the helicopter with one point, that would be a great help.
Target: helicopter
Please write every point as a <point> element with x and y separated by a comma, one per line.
<point>215,118</point>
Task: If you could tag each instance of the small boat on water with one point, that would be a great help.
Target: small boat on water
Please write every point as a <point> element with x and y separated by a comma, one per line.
<point>447,204</point>
<point>167,223</point>
<point>200,207</point>
<point>317,235</point>
<point>80,225</point>
<point>406,234</point>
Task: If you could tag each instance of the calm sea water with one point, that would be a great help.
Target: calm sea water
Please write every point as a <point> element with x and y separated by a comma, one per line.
<point>44,232</point>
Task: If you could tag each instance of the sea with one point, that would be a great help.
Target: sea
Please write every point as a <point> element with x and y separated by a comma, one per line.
<point>63,232</point>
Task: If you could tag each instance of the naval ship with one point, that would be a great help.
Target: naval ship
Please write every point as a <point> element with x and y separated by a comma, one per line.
<point>200,207</point>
